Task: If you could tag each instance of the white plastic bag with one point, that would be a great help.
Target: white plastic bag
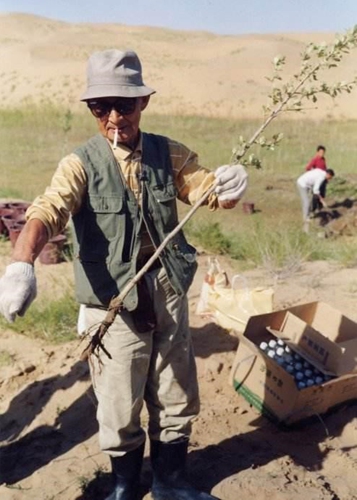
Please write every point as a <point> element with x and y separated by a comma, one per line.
<point>215,277</point>
<point>81,321</point>
<point>232,306</point>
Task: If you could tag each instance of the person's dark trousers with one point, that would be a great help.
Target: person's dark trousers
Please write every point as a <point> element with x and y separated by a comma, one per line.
<point>323,189</point>
<point>315,203</point>
<point>126,471</point>
<point>168,462</point>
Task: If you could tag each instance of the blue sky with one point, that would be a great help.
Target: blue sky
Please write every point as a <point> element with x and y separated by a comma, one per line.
<point>218,16</point>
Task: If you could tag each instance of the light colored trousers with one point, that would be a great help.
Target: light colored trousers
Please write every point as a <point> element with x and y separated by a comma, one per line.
<point>305,201</point>
<point>156,367</point>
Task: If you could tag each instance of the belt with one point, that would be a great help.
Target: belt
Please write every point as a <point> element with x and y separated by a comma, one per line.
<point>141,261</point>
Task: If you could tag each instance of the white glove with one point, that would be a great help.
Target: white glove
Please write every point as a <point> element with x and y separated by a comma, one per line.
<point>17,289</point>
<point>232,182</point>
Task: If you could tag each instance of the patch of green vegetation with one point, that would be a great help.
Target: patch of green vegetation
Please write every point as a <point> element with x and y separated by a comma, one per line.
<point>6,358</point>
<point>211,237</point>
<point>10,193</point>
<point>342,188</point>
<point>343,250</point>
<point>280,251</point>
<point>54,321</point>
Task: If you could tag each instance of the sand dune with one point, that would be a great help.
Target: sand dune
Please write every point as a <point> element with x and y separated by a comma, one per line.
<point>193,72</point>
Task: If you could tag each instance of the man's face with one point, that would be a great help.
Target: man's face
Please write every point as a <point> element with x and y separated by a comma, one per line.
<point>119,113</point>
<point>321,152</point>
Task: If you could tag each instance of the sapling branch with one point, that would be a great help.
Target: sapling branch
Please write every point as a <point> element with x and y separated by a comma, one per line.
<point>291,96</point>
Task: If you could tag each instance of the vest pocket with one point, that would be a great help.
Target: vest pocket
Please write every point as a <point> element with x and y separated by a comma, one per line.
<point>102,220</point>
<point>105,204</point>
<point>183,262</point>
<point>166,195</point>
<point>186,252</point>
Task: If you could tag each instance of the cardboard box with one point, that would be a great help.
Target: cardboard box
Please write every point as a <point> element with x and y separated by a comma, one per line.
<point>323,336</point>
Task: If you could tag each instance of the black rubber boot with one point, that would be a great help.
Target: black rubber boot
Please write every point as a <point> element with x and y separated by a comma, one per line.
<point>126,471</point>
<point>168,464</point>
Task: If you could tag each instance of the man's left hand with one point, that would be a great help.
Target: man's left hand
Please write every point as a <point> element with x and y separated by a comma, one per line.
<point>232,184</point>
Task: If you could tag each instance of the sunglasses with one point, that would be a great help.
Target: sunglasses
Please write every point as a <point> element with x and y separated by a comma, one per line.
<point>123,106</point>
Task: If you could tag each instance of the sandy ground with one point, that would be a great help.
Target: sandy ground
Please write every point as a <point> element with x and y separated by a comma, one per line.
<point>49,447</point>
<point>193,72</point>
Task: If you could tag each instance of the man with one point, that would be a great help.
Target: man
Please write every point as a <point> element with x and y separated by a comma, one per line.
<point>319,160</point>
<point>311,182</point>
<point>120,189</point>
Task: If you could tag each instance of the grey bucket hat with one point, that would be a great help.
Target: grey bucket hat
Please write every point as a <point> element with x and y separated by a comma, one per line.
<point>115,73</point>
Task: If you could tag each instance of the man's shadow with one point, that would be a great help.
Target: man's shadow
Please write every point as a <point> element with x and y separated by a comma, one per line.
<point>324,216</point>
<point>212,339</point>
<point>254,449</point>
<point>30,402</point>
<point>332,212</point>
<point>346,203</point>
<point>19,458</point>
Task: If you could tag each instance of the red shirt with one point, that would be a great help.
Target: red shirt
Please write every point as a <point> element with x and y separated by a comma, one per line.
<point>317,162</point>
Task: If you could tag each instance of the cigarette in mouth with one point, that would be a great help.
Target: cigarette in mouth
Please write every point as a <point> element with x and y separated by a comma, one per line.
<point>115,142</point>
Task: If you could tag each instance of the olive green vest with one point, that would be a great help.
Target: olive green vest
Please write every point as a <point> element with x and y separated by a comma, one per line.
<point>107,227</point>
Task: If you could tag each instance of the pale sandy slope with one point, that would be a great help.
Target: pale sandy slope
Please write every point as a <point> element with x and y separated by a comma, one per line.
<point>193,72</point>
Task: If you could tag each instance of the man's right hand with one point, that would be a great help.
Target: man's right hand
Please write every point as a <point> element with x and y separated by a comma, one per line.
<point>18,289</point>
<point>323,202</point>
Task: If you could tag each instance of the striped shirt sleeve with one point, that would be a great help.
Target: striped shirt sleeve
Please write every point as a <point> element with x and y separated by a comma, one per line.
<point>62,197</point>
<point>192,180</point>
